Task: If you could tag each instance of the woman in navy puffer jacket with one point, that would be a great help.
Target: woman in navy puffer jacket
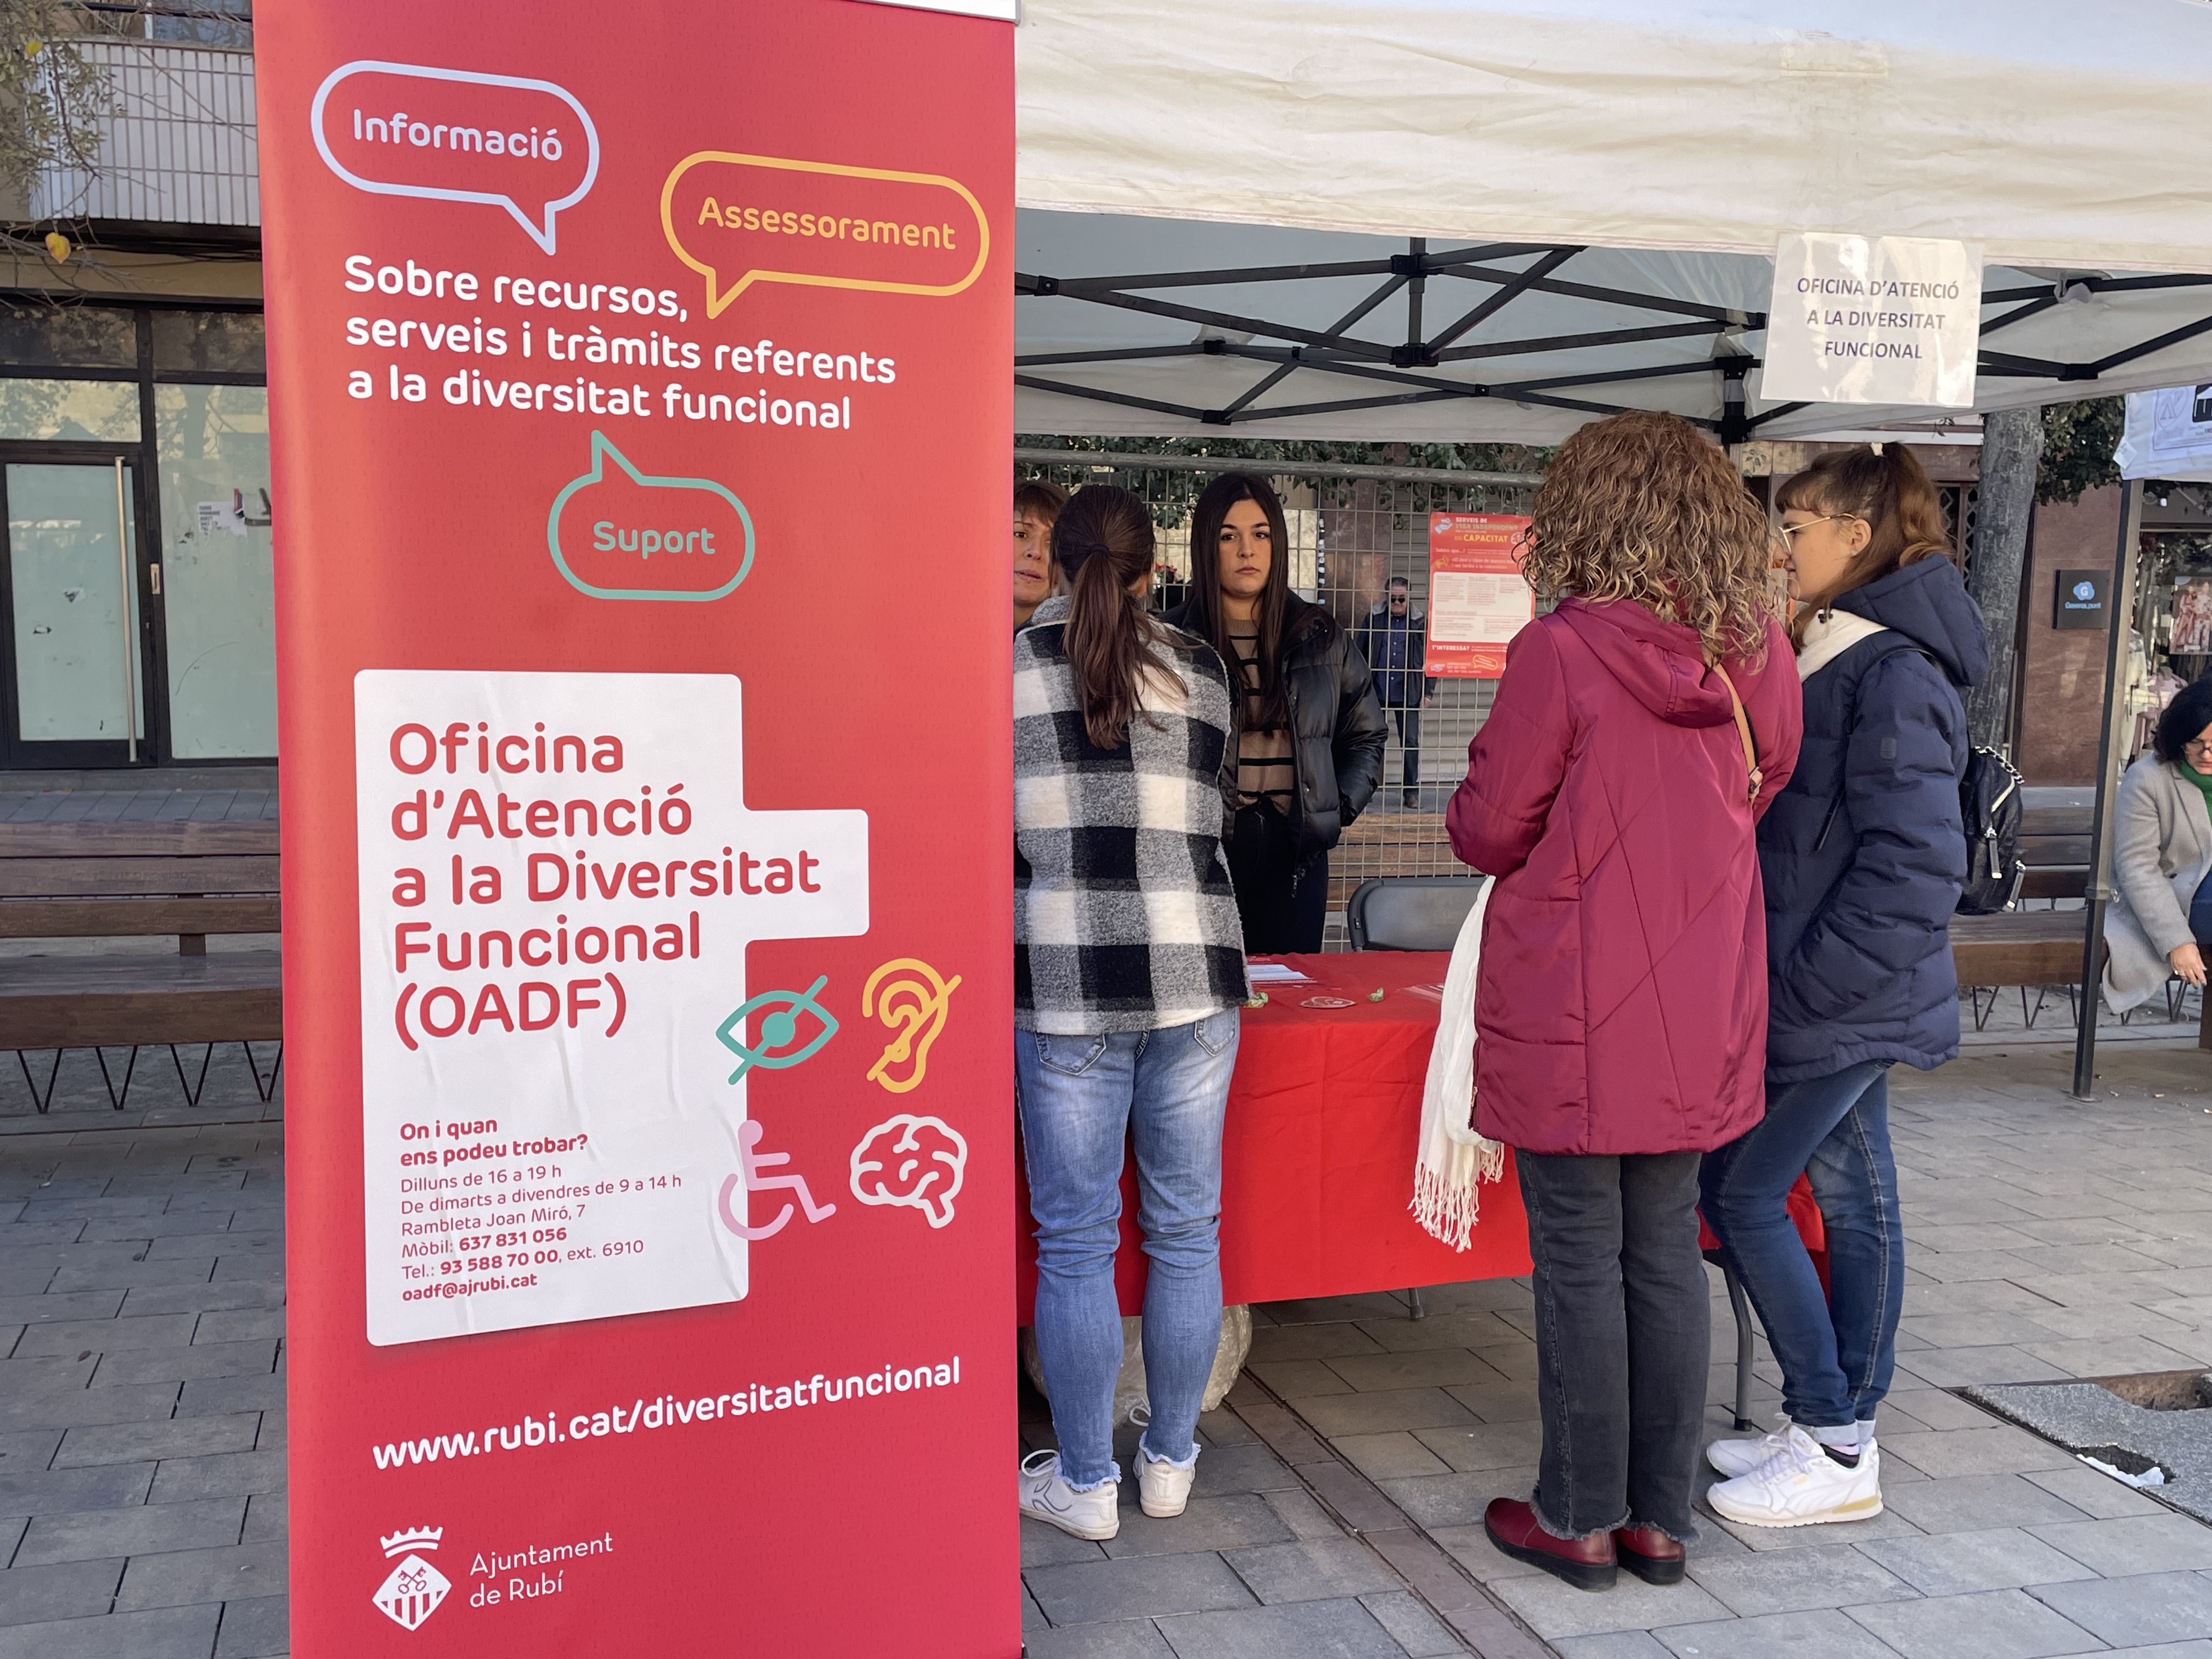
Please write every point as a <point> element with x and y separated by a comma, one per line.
<point>1862,855</point>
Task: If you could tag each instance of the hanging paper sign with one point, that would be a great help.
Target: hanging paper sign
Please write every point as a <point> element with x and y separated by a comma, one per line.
<point>2169,435</point>
<point>1478,597</point>
<point>650,1167</point>
<point>1873,320</point>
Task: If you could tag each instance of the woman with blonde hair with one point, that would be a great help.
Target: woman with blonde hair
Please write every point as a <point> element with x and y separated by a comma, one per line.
<point>1638,732</point>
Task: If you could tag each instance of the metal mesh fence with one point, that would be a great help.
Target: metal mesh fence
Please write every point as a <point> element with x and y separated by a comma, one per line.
<point>1352,531</point>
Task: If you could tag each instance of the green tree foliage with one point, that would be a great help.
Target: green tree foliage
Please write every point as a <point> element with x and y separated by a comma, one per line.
<point>2078,441</point>
<point>52,100</point>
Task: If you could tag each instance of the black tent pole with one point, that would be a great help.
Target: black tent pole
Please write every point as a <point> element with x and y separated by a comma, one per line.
<point>2120,606</point>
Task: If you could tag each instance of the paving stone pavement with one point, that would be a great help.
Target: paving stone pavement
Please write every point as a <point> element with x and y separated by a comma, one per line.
<point>1339,1498</point>
<point>2046,1238</point>
<point>142,1383</point>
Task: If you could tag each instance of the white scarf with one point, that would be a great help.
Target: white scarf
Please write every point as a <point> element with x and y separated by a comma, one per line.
<point>1453,1159</point>
<point>1828,636</point>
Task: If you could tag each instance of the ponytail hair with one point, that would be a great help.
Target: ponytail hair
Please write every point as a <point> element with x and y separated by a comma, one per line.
<point>1103,540</point>
<point>1883,486</point>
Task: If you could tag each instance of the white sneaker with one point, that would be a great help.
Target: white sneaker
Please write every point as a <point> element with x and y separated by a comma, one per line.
<point>1047,1497</point>
<point>1162,1487</point>
<point>1801,1485</point>
<point>1734,1458</point>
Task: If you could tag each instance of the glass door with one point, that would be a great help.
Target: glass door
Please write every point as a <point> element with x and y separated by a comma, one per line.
<point>75,683</point>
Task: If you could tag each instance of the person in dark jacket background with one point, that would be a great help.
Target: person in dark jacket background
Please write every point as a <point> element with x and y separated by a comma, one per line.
<point>1309,731</point>
<point>1621,1001</point>
<point>1395,640</point>
<point>1864,856</point>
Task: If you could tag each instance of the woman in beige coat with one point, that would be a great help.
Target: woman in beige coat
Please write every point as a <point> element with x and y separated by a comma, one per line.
<point>2161,851</point>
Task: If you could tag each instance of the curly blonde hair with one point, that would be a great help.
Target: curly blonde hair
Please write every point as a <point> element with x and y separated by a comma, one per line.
<point>1641,506</point>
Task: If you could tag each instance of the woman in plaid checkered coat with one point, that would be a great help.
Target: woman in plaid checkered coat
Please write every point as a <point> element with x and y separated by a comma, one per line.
<point>1129,975</point>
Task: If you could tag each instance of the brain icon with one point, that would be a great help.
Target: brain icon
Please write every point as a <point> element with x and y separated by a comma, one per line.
<point>910,1160</point>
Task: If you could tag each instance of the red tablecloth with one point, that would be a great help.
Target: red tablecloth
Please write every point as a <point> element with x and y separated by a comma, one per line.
<point>1317,1160</point>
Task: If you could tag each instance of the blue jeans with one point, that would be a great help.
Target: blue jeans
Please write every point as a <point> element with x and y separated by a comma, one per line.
<point>1838,1350</point>
<point>1082,1098</point>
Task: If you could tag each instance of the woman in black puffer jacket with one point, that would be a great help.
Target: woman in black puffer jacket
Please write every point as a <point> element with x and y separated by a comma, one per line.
<point>1310,730</point>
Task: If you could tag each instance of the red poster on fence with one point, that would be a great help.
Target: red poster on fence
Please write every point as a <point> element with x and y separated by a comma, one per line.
<point>1478,597</point>
<point>641,403</point>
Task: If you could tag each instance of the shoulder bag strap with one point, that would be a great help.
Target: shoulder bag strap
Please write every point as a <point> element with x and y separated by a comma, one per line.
<point>1755,774</point>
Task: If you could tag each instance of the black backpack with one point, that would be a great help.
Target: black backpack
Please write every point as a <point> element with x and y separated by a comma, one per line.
<point>1989,807</point>
<point>1989,810</point>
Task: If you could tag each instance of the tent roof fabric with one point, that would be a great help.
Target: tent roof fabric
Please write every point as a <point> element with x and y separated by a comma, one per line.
<point>1616,173</point>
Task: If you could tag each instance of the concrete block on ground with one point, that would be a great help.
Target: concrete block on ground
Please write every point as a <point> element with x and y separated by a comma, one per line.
<point>1137,1587</point>
<point>183,1437</point>
<point>144,1529</point>
<point>260,1628</point>
<point>161,1633</point>
<point>1309,1630</point>
<point>183,1577</point>
<point>2006,1624</point>
<point>1312,1570</point>
<point>65,1590</point>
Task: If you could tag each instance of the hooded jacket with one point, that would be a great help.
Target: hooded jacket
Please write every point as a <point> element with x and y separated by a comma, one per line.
<point>1621,1004</point>
<point>1337,730</point>
<point>1864,852</point>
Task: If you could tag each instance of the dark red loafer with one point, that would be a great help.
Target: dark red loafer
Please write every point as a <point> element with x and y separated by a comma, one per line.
<point>1650,1554</point>
<point>1586,1562</point>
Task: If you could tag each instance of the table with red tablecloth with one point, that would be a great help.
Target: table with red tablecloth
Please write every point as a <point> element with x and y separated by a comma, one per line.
<point>1317,1156</point>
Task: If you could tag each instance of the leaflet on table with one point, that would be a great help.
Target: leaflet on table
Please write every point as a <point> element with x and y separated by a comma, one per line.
<point>1276,973</point>
<point>559,877</point>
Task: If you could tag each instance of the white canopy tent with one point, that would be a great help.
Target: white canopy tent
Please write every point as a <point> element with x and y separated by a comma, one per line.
<point>1445,220</point>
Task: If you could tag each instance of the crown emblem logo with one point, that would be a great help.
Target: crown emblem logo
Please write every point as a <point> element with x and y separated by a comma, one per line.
<point>414,1589</point>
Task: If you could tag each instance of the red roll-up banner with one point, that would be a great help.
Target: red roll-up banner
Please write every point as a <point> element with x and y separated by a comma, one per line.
<point>640,385</point>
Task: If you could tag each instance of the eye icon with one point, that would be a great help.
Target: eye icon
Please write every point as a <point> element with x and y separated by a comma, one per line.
<point>779,1043</point>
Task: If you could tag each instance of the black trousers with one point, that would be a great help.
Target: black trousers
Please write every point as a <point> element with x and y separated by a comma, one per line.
<point>1623,1325</point>
<point>1284,904</point>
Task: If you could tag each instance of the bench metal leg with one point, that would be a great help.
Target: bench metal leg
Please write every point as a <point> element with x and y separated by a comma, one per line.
<point>114,1099</point>
<point>1414,1309</point>
<point>41,1100</point>
<point>266,1090</point>
<point>193,1089</point>
<point>1745,1348</point>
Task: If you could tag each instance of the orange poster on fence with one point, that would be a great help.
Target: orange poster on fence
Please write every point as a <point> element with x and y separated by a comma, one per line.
<point>1478,597</point>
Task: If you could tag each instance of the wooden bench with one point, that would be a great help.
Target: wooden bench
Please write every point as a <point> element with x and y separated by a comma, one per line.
<point>177,880</point>
<point>2037,948</point>
<point>2054,842</point>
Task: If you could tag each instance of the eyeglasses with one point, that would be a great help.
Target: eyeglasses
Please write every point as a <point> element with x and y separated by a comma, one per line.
<point>2198,747</point>
<point>1789,529</point>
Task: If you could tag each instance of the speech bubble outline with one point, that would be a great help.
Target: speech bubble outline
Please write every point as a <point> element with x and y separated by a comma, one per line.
<point>602,447</point>
<point>716,305</point>
<point>544,238</point>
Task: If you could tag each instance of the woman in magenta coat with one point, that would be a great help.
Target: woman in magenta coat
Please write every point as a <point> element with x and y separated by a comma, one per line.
<point>1622,1008</point>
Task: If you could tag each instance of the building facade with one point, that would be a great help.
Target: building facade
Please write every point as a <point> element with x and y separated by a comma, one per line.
<point>136,588</point>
